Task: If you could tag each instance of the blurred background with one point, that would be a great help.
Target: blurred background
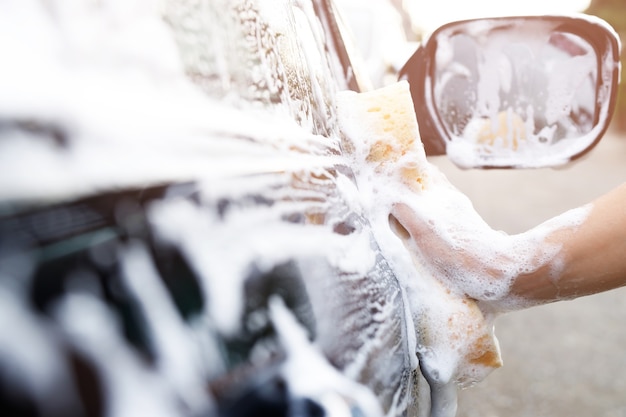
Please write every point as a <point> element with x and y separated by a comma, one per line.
<point>563,359</point>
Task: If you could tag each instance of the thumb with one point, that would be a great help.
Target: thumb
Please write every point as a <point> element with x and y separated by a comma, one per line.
<point>407,224</point>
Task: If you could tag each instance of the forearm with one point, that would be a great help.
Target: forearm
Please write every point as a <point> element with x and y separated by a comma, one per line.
<point>591,259</point>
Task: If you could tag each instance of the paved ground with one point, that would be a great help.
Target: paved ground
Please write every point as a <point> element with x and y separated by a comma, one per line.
<point>568,358</point>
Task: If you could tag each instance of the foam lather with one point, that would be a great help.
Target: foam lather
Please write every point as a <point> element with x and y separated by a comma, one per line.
<point>452,336</point>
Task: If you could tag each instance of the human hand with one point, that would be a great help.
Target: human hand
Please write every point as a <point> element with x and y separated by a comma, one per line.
<point>457,254</point>
<point>466,255</point>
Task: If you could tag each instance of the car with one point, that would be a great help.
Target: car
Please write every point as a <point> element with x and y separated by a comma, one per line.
<point>181,228</point>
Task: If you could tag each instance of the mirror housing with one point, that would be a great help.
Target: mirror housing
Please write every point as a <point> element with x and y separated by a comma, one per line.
<point>515,92</point>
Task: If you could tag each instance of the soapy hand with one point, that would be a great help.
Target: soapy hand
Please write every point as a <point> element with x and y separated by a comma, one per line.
<point>463,251</point>
<point>577,253</point>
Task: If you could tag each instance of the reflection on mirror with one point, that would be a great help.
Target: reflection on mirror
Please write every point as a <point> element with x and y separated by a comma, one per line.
<point>517,92</point>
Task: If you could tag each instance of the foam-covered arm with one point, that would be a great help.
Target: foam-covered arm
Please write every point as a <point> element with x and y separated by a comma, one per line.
<point>580,252</point>
<point>592,258</point>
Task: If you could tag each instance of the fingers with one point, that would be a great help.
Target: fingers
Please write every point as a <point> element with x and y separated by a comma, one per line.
<point>467,260</point>
<point>407,224</point>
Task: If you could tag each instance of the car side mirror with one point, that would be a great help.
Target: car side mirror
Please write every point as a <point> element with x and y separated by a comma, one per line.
<point>519,92</point>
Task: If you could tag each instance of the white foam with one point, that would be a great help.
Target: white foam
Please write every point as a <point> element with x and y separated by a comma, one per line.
<point>131,388</point>
<point>311,376</point>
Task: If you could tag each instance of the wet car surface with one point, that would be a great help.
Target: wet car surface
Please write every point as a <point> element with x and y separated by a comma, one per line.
<point>178,228</point>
